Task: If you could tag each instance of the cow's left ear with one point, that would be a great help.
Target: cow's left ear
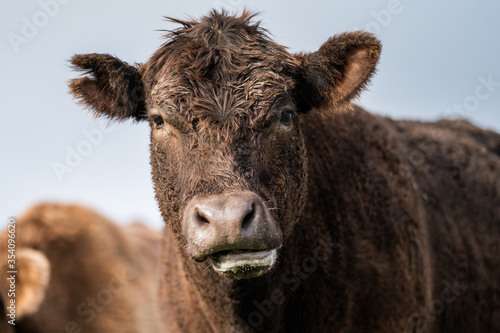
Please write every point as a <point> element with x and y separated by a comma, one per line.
<point>338,71</point>
<point>110,87</point>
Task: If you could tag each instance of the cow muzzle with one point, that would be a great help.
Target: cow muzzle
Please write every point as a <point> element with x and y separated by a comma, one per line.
<point>234,231</point>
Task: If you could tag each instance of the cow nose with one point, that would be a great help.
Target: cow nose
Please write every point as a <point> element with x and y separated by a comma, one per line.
<point>225,222</point>
<point>235,214</point>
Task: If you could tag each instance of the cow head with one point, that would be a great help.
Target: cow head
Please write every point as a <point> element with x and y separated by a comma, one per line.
<point>224,103</point>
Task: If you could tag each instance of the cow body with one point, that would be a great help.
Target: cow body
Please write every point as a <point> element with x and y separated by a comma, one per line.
<point>389,247</point>
<point>289,209</point>
<point>79,272</point>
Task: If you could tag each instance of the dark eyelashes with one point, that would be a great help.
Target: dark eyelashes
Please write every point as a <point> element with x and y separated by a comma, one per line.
<point>159,122</point>
<point>286,118</point>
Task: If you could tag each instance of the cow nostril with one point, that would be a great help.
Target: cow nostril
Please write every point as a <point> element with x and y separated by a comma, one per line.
<point>249,216</point>
<point>200,217</point>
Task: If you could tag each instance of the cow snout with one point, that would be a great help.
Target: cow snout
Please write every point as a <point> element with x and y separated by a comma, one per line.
<point>236,231</point>
<point>236,214</point>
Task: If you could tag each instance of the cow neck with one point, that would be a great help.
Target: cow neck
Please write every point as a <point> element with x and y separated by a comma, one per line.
<point>221,303</point>
<point>225,302</point>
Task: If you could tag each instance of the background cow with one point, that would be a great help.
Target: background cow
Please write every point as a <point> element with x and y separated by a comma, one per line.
<point>79,272</point>
<point>287,208</point>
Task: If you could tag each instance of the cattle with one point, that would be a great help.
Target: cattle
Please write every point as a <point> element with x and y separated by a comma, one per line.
<point>290,209</point>
<point>79,272</point>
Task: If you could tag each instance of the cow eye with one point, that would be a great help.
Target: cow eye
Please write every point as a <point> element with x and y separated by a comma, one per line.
<point>158,120</point>
<point>286,118</point>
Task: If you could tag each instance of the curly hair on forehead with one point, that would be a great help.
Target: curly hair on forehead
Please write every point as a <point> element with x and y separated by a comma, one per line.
<point>217,47</point>
<point>217,21</point>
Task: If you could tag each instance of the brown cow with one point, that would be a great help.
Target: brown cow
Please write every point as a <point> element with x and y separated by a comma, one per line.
<point>290,210</point>
<point>78,272</point>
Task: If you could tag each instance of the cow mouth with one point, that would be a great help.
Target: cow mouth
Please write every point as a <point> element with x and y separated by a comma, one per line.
<point>243,264</point>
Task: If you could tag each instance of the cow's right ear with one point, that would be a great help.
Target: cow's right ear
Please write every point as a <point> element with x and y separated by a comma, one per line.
<point>110,87</point>
<point>31,282</point>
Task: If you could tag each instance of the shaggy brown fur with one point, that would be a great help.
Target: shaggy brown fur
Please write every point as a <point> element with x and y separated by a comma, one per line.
<point>381,232</point>
<point>78,272</point>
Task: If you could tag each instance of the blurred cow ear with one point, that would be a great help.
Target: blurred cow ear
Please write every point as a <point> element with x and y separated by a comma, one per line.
<point>32,281</point>
<point>110,87</point>
<point>338,71</point>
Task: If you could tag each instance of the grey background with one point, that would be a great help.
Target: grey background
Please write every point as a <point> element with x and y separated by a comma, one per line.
<point>433,58</point>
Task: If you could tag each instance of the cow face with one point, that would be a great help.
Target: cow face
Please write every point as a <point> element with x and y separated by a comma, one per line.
<point>224,103</point>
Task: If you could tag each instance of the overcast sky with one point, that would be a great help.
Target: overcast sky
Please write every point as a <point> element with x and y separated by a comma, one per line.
<point>440,58</point>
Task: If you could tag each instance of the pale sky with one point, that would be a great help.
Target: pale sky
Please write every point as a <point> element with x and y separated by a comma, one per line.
<point>439,58</point>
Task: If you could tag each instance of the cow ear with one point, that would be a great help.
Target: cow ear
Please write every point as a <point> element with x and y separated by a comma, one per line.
<point>338,71</point>
<point>109,87</point>
<point>32,280</point>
